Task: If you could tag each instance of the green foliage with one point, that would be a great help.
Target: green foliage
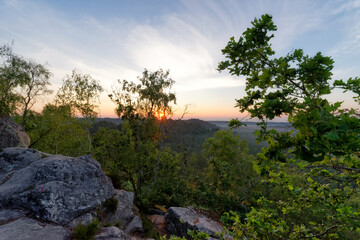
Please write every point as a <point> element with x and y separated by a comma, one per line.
<point>149,229</point>
<point>80,92</point>
<point>21,82</point>
<point>144,107</point>
<point>325,140</point>
<point>36,84</point>
<point>230,179</point>
<point>192,235</point>
<point>82,232</point>
<point>110,205</point>
<point>151,98</point>
<point>56,131</point>
<point>12,75</point>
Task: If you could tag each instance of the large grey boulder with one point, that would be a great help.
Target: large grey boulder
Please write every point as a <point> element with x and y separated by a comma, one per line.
<point>180,220</point>
<point>12,135</point>
<point>55,188</point>
<point>30,229</point>
<point>124,213</point>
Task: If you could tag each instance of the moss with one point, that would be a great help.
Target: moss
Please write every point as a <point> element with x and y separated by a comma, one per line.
<point>82,232</point>
<point>118,224</point>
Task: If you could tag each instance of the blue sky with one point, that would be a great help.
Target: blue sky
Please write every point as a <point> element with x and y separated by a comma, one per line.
<point>117,39</point>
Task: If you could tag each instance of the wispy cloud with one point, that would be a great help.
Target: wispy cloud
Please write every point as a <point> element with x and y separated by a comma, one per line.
<point>187,40</point>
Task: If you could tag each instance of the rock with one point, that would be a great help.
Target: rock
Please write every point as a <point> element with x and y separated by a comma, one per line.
<point>125,213</point>
<point>84,219</point>
<point>7,215</point>
<point>111,233</point>
<point>12,135</point>
<point>55,188</point>
<point>134,225</point>
<point>30,229</point>
<point>154,211</point>
<point>13,159</point>
<point>159,222</point>
<point>179,220</point>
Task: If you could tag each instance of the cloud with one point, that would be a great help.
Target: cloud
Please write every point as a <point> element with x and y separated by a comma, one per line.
<point>187,39</point>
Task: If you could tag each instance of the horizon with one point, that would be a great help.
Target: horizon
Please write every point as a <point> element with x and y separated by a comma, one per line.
<point>208,120</point>
<point>113,40</point>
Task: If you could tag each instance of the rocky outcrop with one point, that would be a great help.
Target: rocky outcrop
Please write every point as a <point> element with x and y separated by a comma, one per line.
<point>44,196</point>
<point>180,220</point>
<point>30,229</point>
<point>124,213</point>
<point>12,135</point>
<point>54,188</point>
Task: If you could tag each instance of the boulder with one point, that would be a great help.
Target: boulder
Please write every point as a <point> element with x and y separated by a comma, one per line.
<point>180,220</point>
<point>8,215</point>
<point>124,213</point>
<point>13,159</point>
<point>54,188</point>
<point>111,233</point>
<point>12,135</point>
<point>30,229</point>
<point>84,219</point>
<point>134,226</point>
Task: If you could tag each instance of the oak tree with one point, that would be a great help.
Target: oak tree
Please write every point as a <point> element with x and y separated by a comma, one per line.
<point>325,138</point>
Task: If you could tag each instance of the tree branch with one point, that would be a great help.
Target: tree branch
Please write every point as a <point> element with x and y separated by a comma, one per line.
<point>323,233</point>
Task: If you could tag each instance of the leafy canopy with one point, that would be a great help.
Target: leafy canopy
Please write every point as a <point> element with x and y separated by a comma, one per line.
<point>325,139</point>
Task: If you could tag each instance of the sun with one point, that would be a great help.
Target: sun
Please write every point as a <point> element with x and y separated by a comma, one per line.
<point>160,115</point>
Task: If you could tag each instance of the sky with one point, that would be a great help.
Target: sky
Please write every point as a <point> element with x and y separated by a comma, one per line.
<point>118,39</point>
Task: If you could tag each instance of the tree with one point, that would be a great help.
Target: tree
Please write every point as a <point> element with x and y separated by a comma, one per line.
<point>326,138</point>
<point>80,92</point>
<point>36,84</point>
<point>230,176</point>
<point>145,107</point>
<point>17,73</point>
<point>57,131</point>
<point>12,75</point>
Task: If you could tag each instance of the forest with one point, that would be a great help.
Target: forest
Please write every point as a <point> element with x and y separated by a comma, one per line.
<point>300,181</point>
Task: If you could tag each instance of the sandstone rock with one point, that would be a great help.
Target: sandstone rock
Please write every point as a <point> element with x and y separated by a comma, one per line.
<point>30,229</point>
<point>55,188</point>
<point>111,233</point>
<point>179,220</point>
<point>8,215</point>
<point>159,222</point>
<point>84,219</point>
<point>13,159</point>
<point>125,213</point>
<point>134,225</point>
<point>12,135</point>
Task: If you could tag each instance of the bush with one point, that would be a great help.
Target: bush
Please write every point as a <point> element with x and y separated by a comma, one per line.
<point>110,205</point>
<point>82,232</point>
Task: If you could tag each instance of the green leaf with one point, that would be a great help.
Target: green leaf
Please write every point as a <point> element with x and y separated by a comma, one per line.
<point>332,136</point>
